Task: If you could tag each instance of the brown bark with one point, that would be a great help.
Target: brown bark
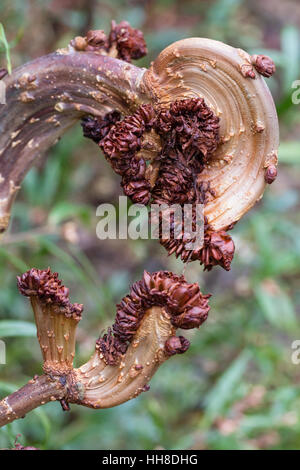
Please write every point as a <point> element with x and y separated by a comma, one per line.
<point>46,97</point>
<point>36,392</point>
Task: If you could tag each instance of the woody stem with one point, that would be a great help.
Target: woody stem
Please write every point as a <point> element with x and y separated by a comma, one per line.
<point>46,97</point>
<point>35,393</point>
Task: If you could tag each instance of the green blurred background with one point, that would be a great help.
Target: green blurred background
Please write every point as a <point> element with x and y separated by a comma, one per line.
<point>236,387</point>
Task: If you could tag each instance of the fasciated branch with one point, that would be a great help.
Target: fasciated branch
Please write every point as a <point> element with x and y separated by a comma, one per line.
<point>46,97</point>
<point>36,392</point>
<point>199,126</point>
<point>142,337</point>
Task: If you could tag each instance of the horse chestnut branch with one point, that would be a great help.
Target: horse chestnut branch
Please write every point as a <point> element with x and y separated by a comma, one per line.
<point>186,151</point>
<point>142,337</point>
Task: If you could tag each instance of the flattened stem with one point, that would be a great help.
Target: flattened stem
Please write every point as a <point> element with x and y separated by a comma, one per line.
<point>105,386</point>
<point>35,393</point>
<point>249,132</point>
<point>46,97</point>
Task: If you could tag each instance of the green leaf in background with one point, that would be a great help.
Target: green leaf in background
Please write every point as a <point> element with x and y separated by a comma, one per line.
<point>163,38</point>
<point>6,47</point>
<point>222,392</point>
<point>16,427</point>
<point>14,328</point>
<point>77,271</point>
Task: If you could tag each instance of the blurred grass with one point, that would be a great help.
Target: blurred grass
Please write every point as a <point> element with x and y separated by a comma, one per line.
<point>236,388</point>
<point>4,44</point>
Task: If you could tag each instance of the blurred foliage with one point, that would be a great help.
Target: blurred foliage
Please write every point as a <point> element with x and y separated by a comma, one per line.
<point>236,388</point>
<point>5,46</point>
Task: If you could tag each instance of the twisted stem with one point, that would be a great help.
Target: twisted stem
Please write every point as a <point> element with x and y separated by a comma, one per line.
<point>36,392</point>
